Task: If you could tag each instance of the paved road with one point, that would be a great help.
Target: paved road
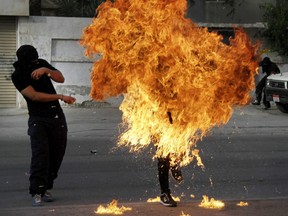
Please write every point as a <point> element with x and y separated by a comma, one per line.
<point>245,160</point>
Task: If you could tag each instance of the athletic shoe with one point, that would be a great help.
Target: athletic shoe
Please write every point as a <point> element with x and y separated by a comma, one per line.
<point>37,200</point>
<point>167,200</point>
<point>256,102</point>
<point>267,106</point>
<point>47,197</point>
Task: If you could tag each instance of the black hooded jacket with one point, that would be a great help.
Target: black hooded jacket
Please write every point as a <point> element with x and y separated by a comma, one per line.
<point>21,78</point>
<point>269,67</point>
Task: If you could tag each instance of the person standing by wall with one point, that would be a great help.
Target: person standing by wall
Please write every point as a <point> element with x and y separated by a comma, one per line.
<point>47,126</point>
<point>269,68</point>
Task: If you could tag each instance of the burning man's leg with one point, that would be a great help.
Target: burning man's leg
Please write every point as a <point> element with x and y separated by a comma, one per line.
<point>163,174</point>
<point>176,173</point>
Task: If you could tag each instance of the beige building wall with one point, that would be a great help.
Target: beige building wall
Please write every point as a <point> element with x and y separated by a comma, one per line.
<point>57,41</point>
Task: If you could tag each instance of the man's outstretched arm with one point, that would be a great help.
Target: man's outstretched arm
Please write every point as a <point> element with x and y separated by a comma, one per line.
<point>33,95</point>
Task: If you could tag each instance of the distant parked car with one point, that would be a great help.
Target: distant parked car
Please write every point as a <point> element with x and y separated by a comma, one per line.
<point>277,90</point>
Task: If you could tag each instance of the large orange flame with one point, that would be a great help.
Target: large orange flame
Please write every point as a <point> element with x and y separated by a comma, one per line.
<point>179,80</point>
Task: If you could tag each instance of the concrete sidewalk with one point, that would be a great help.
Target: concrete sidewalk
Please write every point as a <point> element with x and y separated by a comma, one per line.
<point>266,207</point>
<point>254,208</point>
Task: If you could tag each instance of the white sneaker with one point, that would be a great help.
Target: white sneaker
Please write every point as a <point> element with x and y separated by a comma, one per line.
<point>47,197</point>
<point>37,200</point>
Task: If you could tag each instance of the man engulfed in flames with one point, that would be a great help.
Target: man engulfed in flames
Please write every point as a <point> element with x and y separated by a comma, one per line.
<point>178,80</point>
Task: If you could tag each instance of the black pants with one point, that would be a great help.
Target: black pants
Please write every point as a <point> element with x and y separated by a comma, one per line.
<point>261,88</point>
<point>48,138</point>
<point>163,174</point>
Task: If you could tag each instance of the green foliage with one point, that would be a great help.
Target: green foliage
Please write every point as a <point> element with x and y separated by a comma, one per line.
<point>276,17</point>
<point>77,8</point>
<point>35,7</point>
<point>89,7</point>
<point>68,8</point>
<point>233,4</point>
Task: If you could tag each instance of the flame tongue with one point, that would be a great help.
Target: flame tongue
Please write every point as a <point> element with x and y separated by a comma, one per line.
<point>211,204</point>
<point>112,208</point>
<point>178,79</point>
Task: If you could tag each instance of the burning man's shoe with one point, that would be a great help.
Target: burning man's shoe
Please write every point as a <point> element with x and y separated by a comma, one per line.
<point>47,197</point>
<point>177,174</point>
<point>167,200</point>
<point>37,200</point>
<point>256,102</point>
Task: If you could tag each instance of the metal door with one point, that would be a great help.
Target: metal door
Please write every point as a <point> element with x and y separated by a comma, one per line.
<point>7,57</point>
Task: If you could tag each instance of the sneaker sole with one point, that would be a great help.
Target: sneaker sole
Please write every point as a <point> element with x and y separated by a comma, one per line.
<point>168,205</point>
<point>37,204</point>
<point>47,200</point>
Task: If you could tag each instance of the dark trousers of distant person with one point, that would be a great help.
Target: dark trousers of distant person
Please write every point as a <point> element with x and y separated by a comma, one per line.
<point>48,138</point>
<point>261,88</point>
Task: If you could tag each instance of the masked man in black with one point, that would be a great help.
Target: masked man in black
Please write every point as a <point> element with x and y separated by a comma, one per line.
<point>47,126</point>
<point>269,68</point>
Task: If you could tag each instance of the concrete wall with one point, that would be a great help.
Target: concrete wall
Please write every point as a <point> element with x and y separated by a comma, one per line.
<point>57,41</point>
<point>14,7</point>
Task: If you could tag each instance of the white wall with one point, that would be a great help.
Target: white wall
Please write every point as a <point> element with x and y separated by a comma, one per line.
<point>57,41</point>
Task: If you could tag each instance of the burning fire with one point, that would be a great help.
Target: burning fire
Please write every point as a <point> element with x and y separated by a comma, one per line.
<point>183,214</point>
<point>178,80</point>
<point>211,204</point>
<point>241,204</point>
<point>112,208</point>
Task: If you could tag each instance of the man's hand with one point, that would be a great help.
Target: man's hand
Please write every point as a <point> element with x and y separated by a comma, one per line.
<point>38,73</point>
<point>55,75</point>
<point>68,99</point>
<point>33,95</point>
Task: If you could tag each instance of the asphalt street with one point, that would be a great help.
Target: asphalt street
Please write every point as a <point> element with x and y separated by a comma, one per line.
<point>245,160</point>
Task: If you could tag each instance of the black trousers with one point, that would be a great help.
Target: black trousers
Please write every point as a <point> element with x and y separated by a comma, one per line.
<point>48,138</point>
<point>261,88</point>
<point>163,174</point>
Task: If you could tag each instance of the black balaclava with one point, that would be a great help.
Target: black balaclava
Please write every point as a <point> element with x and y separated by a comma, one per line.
<point>265,62</point>
<point>26,54</point>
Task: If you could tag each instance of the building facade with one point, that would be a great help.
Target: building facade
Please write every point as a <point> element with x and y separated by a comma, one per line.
<point>57,41</point>
<point>9,11</point>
